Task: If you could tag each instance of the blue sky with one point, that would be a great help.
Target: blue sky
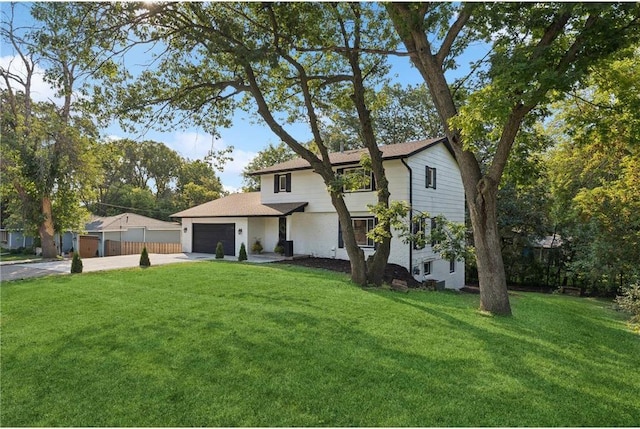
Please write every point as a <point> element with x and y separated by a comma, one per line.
<point>247,135</point>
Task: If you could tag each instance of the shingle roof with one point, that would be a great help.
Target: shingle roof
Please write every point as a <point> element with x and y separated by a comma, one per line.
<point>128,220</point>
<point>240,205</point>
<point>391,151</point>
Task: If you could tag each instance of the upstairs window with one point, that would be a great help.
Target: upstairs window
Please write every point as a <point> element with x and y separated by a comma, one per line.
<point>363,181</point>
<point>430,177</point>
<point>452,265</point>
<point>282,183</point>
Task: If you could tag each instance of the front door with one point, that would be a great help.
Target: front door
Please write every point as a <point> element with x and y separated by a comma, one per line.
<point>282,230</point>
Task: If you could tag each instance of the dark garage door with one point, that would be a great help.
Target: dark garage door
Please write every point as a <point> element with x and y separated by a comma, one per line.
<point>207,235</point>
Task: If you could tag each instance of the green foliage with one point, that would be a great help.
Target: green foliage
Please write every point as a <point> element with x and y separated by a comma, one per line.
<point>242,256</point>
<point>594,177</point>
<point>279,249</point>
<point>219,250</point>
<point>629,302</point>
<point>144,258</point>
<point>76,263</point>
<point>257,247</point>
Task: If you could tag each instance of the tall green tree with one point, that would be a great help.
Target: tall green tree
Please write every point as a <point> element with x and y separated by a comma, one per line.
<point>44,143</point>
<point>536,52</point>
<point>286,63</point>
<point>594,174</point>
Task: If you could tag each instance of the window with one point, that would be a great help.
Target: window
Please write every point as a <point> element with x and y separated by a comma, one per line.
<point>418,226</point>
<point>282,183</point>
<point>452,265</point>
<point>364,181</point>
<point>361,226</point>
<point>430,177</point>
<point>434,225</point>
<point>427,268</point>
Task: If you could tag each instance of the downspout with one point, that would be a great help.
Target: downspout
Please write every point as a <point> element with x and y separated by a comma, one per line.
<point>402,160</point>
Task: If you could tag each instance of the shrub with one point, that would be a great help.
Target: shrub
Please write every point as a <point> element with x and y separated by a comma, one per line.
<point>279,249</point>
<point>629,302</point>
<point>144,258</point>
<point>76,264</point>
<point>257,247</point>
<point>219,251</point>
<point>243,253</point>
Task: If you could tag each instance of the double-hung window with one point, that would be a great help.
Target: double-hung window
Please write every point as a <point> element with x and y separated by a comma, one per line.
<point>358,180</point>
<point>418,228</point>
<point>361,226</point>
<point>282,183</point>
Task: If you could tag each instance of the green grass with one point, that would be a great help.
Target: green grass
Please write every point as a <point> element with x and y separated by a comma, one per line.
<point>226,344</point>
<point>6,257</point>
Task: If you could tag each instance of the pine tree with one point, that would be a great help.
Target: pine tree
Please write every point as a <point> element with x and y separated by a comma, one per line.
<point>243,253</point>
<point>219,251</point>
<point>76,264</point>
<point>144,258</point>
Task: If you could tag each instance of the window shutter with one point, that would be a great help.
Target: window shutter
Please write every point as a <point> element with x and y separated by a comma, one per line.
<point>434,178</point>
<point>427,170</point>
<point>288,179</point>
<point>276,183</point>
<point>340,242</point>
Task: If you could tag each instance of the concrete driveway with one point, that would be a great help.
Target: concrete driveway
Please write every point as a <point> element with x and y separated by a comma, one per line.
<point>24,270</point>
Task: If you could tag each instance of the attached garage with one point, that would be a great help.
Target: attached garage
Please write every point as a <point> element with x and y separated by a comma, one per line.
<point>207,235</point>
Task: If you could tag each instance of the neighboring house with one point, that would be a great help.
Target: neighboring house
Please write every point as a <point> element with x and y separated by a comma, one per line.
<point>14,239</point>
<point>294,208</point>
<point>128,227</point>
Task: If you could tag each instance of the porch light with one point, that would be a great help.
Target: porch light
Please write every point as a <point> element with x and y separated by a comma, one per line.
<point>239,231</point>
<point>185,230</point>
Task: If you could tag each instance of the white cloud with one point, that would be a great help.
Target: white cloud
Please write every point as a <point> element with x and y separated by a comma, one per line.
<point>196,145</point>
<point>40,90</point>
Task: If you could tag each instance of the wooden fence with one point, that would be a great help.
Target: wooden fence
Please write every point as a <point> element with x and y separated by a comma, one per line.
<point>115,248</point>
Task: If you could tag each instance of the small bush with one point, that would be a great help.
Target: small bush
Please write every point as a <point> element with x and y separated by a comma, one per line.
<point>243,253</point>
<point>279,249</point>
<point>144,258</point>
<point>76,264</point>
<point>219,251</point>
<point>629,302</point>
<point>257,247</point>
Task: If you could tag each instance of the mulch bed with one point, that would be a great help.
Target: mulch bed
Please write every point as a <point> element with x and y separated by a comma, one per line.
<point>393,271</point>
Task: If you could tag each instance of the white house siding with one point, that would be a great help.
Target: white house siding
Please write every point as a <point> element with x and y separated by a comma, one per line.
<point>447,199</point>
<point>315,232</point>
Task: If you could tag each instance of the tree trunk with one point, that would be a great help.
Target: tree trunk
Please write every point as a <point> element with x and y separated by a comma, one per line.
<point>494,297</point>
<point>46,230</point>
<point>355,253</point>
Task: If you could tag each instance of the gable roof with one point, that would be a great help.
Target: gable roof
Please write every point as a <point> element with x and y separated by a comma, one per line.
<point>390,151</point>
<point>241,205</point>
<point>127,220</point>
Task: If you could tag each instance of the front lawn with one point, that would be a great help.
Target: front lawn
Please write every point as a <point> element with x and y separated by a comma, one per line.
<point>226,344</point>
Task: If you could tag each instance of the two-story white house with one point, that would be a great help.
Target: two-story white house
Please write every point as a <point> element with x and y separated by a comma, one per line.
<point>293,207</point>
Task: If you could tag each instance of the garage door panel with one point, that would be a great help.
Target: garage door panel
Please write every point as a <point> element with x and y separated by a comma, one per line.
<point>207,235</point>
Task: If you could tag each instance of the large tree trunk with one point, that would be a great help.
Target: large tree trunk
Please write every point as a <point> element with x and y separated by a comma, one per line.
<point>355,253</point>
<point>494,297</point>
<point>46,230</point>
